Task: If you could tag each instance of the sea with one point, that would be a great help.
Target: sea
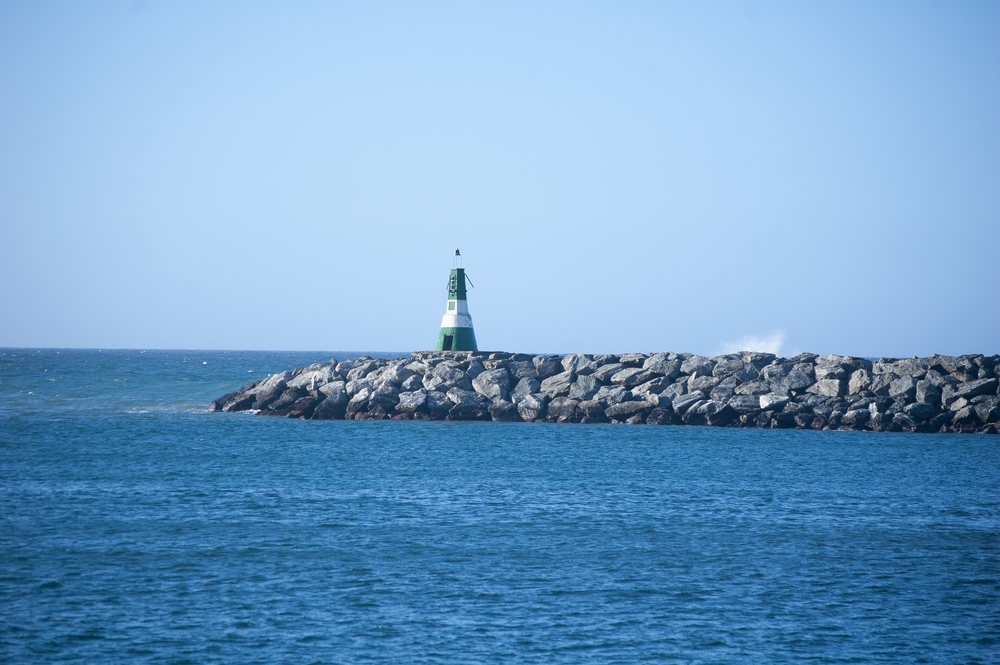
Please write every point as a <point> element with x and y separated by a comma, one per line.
<point>137,527</point>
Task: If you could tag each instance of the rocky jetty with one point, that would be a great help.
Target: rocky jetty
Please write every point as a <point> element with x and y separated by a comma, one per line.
<point>936,394</point>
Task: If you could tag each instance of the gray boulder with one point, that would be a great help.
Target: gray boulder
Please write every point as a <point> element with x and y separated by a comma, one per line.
<point>663,364</point>
<point>558,385</point>
<point>612,394</point>
<point>745,403</point>
<point>920,411</point>
<point>604,373</point>
<point>828,387</point>
<point>624,410</point>
<point>396,374</point>
<point>661,416</point>
<point>903,388</point>
<point>532,407</point>
<point>578,363</point>
<point>415,382</point>
<point>465,397</point>
<point>675,390</point>
<point>968,390</point>
<point>988,409</point>
<point>757,387</point>
<point>683,403</point>
<point>333,407</point>
<point>521,369</point>
<point>412,402</point>
<point>697,365</point>
<point>271,389</point>
<point>493,384</point>
<point>476,368</point>
<point>860,380</point>
<point>438,403</point>
<point>702,383</point>
<point>358,403</point>
<point>546,367</point>
<point>836,371</point>
<point>362,370</point>
<point>653,386</point>
<point>445,376</point>
<point>584,388</point>
<point>775,372</point>
<point>631,377</point>
<point>526,386</point>
<point>561,410</point>
<point>928,393</point>
<point>591,411</point>
<point>504,411</point>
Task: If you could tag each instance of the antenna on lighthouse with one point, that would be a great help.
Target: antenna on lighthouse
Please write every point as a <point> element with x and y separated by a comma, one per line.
<point>457,260</point>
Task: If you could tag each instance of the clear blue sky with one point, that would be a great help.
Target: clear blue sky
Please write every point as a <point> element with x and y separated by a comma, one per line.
<point>619,176</point>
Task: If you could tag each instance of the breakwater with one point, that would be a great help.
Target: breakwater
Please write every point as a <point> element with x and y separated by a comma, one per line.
<point>808,391</point>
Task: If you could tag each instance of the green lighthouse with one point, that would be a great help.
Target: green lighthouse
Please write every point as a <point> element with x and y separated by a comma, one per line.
<point>456,326</point>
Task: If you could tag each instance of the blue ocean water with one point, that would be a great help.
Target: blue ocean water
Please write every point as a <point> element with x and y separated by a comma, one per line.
<point>137,527</point>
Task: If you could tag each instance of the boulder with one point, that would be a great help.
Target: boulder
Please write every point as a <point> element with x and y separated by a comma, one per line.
<point>702,383</point>
<point>968,390</point>
<point>592,411</point>
<point>584,388</point>
<point>476,368</point>
<point>920,411</point>
<point>631,377</point>
<point>411,402</point>
<point>504,411</point>
<point>493,384</point>
<point>727,366</point>
<point>745,403</point>
<point>661,416</point>
<point>880,382</point>
<point>624,410</point>
<point>578,363</point>
<point>271,389</point>
<point>757,387</point>
<point>562,410</point>
<point>438,403</point>
<point>362,370</point>
<point>415,382</point>
<point>526,386</point>
<point>697,365</point>
<point>521,369</point>
<point>987,409</point>
<point>612,394</point>
<point>828,387</point>
<point>333,406</point>
<point>604,373</point>
<point>674,390</point>
<point>915,368</point>
<point>855,418</point>
<point>684,402</point>
<point>558,384</point>
<point>328,389</point>
<point>358,403</point>
<point>697,414</point>
<point>384,398</point>
<point>927,393</point>
<point>546,367</point>
<point>445,376</point>
<point>302,407</point>
<point>796,380</point>
<point>632,359</point>
<point>860,380</point>
<point>465,397</point>
<point>664,365</point>
<point>532,407</point>
<point>772,401</point>
<point>775,372</point>
<point>837,371</point>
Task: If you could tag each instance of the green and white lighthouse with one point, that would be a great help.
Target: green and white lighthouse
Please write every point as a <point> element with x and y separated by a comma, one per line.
<point>456,325</point>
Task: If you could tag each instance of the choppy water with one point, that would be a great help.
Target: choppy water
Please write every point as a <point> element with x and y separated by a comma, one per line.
<point>136,527</point>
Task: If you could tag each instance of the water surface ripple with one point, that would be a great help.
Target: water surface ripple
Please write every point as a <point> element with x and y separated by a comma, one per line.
<point>136,527</point>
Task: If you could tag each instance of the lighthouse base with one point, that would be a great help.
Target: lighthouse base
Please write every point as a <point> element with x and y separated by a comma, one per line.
<point>456,339</point>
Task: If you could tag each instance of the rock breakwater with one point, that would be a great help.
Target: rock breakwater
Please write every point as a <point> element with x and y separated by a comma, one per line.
<point>935,394</point>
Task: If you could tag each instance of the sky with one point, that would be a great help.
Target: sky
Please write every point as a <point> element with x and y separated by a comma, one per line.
<point>619,176</point>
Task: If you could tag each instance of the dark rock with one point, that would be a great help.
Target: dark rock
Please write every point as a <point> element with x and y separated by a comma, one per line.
<point>775,372</point>
<point>968,390</point>
<point>702,383</point>
<point>664,365</point>
<point>880,383</point>
<point>612,394</point>
<point>562,410</point>
<point>661,416</point>
<point>987,409</point>
<point>271,389</point>
<point>675,390</point>
<point>758,387</point>
<point>745,403</point>
<point>653,386</point>
<point>504,411</point>
<point>579,364</point>
<point>624,410</point>
<point>697,413</point>
<point>632,377</point>
<point>476,367</point>
<point>413,383</point>
<point>773,401</point>
<point>837,371</point>
<point>727,366</point>
<point>358,403</point>
<point>795,381</point>
<point>302,407</point>
<point>333,407</point>
<point>592,411</point>
<point>725,389</point>
<point>920,411</point>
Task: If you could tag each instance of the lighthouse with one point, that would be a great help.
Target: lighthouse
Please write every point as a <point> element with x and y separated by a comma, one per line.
<point>456,325</point>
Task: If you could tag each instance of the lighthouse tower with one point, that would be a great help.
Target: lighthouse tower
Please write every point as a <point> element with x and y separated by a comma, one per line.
<point>456,325</point>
